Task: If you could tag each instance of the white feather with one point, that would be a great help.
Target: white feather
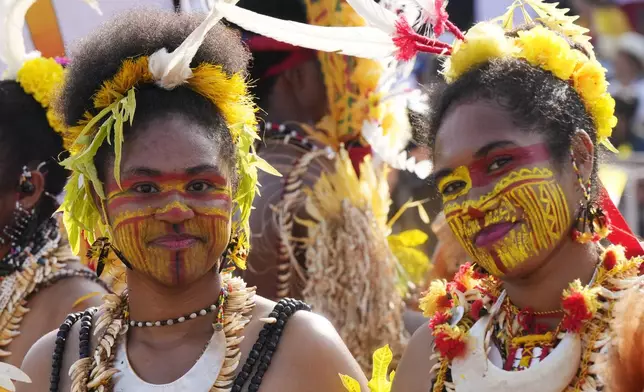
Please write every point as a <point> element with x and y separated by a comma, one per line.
<point>95,6</point>
<point>375,14</point>
<point>423,169</point>
<point>365,42</point>
<point>12,44</point>
<point>172,69</point>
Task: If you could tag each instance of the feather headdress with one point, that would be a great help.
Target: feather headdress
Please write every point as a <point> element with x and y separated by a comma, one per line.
<point>368,89</point>
<point>397,32</point>
<point>388,32</point>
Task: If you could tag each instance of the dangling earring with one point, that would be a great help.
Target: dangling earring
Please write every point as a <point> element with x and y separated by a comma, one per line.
<point>591,224</point>
<point>100,250</point>
<point>26,187</point>
<point>15,230</point>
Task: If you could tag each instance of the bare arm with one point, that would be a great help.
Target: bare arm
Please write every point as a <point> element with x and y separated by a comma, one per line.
<point>413,373</point>
<point>310,357</point>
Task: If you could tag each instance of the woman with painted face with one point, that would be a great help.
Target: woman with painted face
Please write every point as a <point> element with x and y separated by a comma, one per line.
<point>38,272</point>
<point>516,139</point>
<point>163,167</point>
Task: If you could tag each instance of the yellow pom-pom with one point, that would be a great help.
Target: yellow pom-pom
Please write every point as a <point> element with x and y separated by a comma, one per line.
<point>483,42</point>
<point>603,112</point>
<point>40,77</point>
<point>435,299</point>
<point>590,80</point>
<point>547,50</point>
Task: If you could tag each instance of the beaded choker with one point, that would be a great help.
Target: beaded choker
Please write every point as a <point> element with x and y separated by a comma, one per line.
<point>219,321</point>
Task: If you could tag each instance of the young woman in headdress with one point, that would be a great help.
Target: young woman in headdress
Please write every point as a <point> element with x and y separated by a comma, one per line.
<point>516,140</point>
<point>517,137</point>
<point>163,167</point>
<point>41,280</point>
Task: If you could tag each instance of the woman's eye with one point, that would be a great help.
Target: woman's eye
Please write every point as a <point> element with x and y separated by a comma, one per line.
<point>498,163</point>
<point>146,188</point>
<point>452,187</point>
<point>199,186</point>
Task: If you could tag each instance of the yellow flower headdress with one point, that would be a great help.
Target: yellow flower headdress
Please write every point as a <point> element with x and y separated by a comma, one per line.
<point>397,34</point>
<point>544,45</point>
<point>115,104</point>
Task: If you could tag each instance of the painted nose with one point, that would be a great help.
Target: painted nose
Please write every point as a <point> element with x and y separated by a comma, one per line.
<point>175,212</point>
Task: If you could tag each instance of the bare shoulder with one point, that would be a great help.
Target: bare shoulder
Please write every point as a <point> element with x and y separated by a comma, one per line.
<point>64,295</point>
<point>413,373</point>
<point>311,346</point>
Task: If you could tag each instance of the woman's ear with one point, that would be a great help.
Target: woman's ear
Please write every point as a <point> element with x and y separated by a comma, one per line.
<point>31,189</point>
<point>583,152</point>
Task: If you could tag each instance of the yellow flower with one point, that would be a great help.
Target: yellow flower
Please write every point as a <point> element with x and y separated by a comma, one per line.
<point>40,77</point>
<point>483,42</point>
<point>435,299</point>
<point>589,80</point>
<point>56,123</point>
<point>547,50</point>
<point>603,113</point>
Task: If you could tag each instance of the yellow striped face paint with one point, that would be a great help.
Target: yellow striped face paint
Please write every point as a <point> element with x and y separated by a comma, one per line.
<point>525,215</point>
<point>173,228</point>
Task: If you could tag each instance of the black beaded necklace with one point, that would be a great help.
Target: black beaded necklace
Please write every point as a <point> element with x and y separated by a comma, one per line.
<point>261,355</point>
<point>59,349</point>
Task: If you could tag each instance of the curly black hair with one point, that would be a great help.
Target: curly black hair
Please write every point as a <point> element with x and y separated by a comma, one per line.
<point>141,32</point>
<point>537,101</point>
<point>293,10</point>
<point>27,139</point>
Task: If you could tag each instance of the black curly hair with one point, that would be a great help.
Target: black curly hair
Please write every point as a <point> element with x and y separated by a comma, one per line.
<point>536,100</point>
<point>27,139</point>
<point>293,10</point>
<point>141,32</point>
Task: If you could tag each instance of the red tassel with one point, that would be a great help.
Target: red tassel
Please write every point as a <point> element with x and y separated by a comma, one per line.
<point>405,40</point>
<point>455,30</point>
<point>441,18</point>
<point>423,40</point>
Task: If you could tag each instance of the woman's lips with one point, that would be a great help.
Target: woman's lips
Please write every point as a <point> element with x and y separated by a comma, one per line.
<point>175,242</point>
<point>493,233</point>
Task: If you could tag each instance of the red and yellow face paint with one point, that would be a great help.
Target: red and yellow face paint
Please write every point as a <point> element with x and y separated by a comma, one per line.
<point>173,228</point>
<point>527,202</point>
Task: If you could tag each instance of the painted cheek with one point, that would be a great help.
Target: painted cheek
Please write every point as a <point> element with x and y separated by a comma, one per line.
<point>173,267</point>
<point>528,195</point>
